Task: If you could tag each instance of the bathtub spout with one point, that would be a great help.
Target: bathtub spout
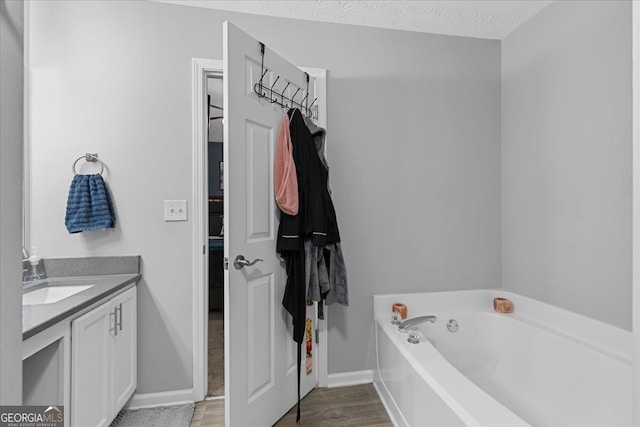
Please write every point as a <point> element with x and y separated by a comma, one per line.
<point>409,323</point>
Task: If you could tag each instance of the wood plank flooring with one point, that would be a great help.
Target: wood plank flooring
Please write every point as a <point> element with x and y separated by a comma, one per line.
<point>341,406</point>
<point>215,354</point>
<point>209,413</point>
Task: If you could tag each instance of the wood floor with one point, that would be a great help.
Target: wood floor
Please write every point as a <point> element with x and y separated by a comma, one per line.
<point>342,406</point>
<point>208,413</point>
<point>215,354</point>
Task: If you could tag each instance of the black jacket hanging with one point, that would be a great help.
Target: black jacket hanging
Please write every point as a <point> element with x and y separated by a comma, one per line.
<point>315,219</point>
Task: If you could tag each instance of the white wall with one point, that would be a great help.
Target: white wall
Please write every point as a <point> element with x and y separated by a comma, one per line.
<point>414,147</point>
<point>114,78</point>
<point>566,159</point>
<point>11,104</point>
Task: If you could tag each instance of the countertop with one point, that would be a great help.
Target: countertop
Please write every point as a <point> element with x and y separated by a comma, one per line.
<point>36,318</point>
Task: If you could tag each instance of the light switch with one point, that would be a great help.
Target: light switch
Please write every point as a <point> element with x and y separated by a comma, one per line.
<point>175,210</point>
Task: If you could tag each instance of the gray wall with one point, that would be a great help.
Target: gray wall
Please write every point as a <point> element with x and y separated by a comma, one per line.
<point>414,147</point>
<point>11,104</point>
<point>566,159</point>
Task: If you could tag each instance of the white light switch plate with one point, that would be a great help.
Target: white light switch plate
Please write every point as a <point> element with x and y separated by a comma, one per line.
<point>175,210</point>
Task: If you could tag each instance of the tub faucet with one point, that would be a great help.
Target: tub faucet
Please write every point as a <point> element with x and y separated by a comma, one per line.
<point>409,323</point>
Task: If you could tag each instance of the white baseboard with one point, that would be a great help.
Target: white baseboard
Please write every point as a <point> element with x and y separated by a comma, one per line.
<point>176,397</point>
<point>344,379</point>
<point>164,398</point>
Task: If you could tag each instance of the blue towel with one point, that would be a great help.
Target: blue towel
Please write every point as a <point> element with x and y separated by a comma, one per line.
<point>89,205</point>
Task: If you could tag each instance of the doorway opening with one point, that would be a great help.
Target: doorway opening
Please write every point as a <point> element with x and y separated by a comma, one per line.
<point>215,201</point>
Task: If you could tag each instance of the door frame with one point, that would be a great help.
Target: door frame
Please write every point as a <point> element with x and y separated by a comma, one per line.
<point>202,69</point>
<point>635,245</point>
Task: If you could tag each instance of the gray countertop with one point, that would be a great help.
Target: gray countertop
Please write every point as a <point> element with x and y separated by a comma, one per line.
<point>36,318</point>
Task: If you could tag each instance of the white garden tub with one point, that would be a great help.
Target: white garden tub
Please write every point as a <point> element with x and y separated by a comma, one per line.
<point>538,366</point>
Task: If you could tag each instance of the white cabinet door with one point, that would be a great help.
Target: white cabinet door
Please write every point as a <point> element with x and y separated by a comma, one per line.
<point>90,368</point>
<point>103,361</point>
<point>124,368</point>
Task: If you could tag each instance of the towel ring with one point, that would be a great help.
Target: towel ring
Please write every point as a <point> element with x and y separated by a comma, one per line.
<point>89,158</point>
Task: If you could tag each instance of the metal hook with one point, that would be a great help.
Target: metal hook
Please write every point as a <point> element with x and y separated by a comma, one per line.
<point>282,95</point>
<point>294,97</point>
<point>260,82</point>
<point>271,90</point>
<point>274,83</point>
<point>263,74</point>
<point>301,104</point>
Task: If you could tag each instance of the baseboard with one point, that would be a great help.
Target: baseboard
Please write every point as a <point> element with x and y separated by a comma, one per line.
<point>175,397</point>
<point>163,398</point>
<point>344,379</point>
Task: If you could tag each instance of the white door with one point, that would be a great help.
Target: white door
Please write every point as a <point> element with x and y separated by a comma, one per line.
<point>261,377</point>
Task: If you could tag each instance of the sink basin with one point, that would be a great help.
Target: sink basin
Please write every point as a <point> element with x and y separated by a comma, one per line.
<point>51,294</point>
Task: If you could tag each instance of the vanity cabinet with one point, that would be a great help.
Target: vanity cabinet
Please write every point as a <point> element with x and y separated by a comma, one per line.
<point>104,361</point>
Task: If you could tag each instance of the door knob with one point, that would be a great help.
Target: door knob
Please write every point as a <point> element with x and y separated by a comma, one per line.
<point>240,262</point>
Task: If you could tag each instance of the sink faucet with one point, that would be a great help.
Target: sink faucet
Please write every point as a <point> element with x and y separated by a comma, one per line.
<point>25,262</point>
<point>409,323</point>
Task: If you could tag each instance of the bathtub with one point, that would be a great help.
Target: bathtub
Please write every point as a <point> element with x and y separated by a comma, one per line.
<point>538,366</point>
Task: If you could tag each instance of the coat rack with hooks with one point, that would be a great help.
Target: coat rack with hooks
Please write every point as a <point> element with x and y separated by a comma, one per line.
<point>278,97</point>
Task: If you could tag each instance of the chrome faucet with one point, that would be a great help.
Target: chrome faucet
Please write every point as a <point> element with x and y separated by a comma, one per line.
<point>409,323</point>
<point>25,262</point>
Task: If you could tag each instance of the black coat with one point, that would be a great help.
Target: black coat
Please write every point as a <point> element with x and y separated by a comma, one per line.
<point>316,219</point>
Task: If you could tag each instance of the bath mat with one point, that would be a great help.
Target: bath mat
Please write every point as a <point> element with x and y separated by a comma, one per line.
<point>162,416</point>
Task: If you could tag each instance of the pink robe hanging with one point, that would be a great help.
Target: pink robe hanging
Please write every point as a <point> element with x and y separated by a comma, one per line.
<point>285,179</point>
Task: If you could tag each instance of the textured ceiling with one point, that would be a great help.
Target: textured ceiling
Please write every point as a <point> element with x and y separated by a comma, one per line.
<point>470,18</point>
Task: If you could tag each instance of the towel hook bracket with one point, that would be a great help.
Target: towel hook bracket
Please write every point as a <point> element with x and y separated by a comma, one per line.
<point>88,157</point>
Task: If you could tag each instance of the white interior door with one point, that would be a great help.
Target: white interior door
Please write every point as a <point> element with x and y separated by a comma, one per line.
<point>261,371</point>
